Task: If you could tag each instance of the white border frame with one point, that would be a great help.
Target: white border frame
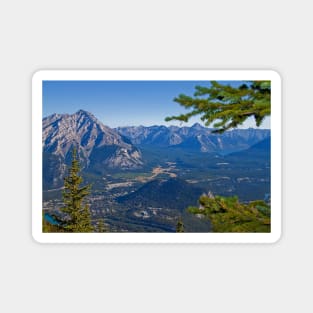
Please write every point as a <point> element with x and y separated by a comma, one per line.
<point>276,141</point>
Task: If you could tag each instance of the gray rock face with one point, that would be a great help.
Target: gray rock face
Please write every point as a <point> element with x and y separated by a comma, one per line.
<point>61,131</point>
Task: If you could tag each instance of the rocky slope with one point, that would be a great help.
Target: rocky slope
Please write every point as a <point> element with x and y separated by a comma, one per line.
<point>98,145</point>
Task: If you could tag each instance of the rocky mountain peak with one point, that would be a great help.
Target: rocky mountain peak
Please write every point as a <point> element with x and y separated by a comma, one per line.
<point>197,126</point>
<point>61,131</point>
<point>82,114</point>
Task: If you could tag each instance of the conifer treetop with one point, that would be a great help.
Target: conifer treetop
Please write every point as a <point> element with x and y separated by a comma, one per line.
<point>227,106</point>
<point>73,197</point>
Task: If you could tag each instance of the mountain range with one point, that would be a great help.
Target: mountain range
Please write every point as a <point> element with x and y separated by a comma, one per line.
<point>144,177</point>
<point>102,148</point>
<point>195,137</point>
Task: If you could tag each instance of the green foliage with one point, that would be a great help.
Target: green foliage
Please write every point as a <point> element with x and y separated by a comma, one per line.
<point>227,106</point>
<point>227,214</point>
<point>100,227</point>
<point>180,226</point>
<point>78,214</point>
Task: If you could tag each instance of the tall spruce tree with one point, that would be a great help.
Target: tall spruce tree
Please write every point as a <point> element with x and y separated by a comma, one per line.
<point>78,214</point>
<point>227,106</point>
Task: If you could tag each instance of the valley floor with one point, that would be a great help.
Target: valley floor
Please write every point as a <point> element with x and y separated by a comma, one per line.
<point>154,198</point>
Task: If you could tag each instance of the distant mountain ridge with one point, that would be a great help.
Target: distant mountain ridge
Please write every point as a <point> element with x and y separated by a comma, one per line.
<point>195,137</point>
<point>260,150</point>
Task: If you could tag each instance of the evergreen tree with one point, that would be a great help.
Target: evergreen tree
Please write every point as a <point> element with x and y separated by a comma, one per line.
<point>78,214</point>
<point>227,106</point>
<point>227,214</point>
<point>101,228</point>
<point>180,228</point>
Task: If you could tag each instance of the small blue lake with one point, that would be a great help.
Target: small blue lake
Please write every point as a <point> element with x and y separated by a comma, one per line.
<point>50,219</point>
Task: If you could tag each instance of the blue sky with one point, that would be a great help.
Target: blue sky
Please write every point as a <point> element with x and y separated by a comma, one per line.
<point>124,103</point>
